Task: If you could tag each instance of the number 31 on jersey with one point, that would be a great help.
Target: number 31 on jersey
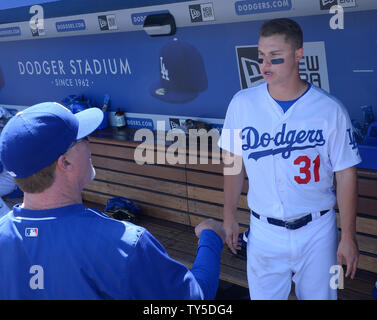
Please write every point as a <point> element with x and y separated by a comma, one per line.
<point>306,166</point>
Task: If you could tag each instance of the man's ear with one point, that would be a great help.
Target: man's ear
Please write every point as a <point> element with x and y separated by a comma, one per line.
<point>64,163</point>
<point>299,54</point>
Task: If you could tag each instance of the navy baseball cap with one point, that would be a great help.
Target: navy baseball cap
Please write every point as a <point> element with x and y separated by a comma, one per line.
<point>182,73</point>
<point>37,136</point>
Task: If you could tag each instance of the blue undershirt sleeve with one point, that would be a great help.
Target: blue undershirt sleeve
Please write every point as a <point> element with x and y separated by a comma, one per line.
<point>206,268</point>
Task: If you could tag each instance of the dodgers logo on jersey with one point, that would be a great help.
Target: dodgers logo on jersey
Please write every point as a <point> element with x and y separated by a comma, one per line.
<point>283,142</point>
<point>351,136</point>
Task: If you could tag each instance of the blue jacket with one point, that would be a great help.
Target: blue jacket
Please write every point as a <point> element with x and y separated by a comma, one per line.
<point>77,253</point>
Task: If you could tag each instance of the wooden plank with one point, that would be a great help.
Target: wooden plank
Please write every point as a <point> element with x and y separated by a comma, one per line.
<point>162,233</point>
<point>367,263</point>
<point>214,211</point>
<point>367,244</point>
<point>138,195</point>
<point>367,206</point>
<point>366,225</point>
<point>363,225</point>
<point>353,295</point>
<point>178,189</point>
<point>358,285</point>
<point>114,151</point>
<point>95,198</point>
<point>203,157</point>
<point>215,168</point>
<point>149,153</point>
<point>160,155</point>
<point>234,276</point>
<point>164,213</point>
<point>368,173</point>
<point>205,179</point>
<point>212,196</point>
<point>163,172</point>
<point>367,187</point>
<point>210,180</point>
<point>109,141</point>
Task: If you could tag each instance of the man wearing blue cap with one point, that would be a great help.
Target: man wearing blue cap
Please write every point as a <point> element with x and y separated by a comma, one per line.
<point>52,247</point>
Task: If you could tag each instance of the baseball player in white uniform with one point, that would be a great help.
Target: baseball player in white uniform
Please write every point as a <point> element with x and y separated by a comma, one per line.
<point>292,137</point>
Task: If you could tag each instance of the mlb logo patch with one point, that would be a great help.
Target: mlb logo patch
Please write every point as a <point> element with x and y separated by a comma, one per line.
<point>31,232</point>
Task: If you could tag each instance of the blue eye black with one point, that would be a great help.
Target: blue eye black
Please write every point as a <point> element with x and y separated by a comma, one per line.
<point>273,61</point>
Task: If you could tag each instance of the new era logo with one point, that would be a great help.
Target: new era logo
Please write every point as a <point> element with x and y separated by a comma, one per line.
<point>174,123</point>
<point>195,14</point>
<point>37,32</point>
<point>201,12</point>
<point>103,23</point>
<point>31,232</point>
<point>248,66</point>
<point>107,22</point>
<point>327,4</point>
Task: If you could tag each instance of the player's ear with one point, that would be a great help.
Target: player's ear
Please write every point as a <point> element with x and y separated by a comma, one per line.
<point>64,163</point>
<point>299,54</point>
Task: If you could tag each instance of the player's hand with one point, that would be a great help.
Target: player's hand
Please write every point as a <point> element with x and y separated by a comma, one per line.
<point>232,229</point>
<point>349,251</point>
<point>210,224</point>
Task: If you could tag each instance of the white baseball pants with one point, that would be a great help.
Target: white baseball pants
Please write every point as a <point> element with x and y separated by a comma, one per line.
<point>276,256</point>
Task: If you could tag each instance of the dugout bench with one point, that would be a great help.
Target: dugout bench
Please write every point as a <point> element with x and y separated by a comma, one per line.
<point>175,198</point>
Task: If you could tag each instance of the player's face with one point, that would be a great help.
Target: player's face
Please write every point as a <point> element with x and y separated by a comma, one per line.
<point>275,47</point>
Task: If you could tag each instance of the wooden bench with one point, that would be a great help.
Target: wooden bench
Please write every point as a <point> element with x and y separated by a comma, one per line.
<point>175,198</point>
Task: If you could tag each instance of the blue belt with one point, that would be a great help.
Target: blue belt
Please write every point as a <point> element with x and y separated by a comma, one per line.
<point>291,225</point>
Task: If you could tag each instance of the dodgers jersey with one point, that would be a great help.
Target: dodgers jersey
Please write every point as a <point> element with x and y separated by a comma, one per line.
<point>290,158</point>
<point>77,253</point>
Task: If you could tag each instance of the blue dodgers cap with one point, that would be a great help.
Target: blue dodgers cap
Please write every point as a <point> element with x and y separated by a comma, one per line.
<point>182,73</point>
<point>37,136</point>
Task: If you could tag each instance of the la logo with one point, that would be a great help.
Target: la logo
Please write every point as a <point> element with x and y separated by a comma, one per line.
<point>164,71</point>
